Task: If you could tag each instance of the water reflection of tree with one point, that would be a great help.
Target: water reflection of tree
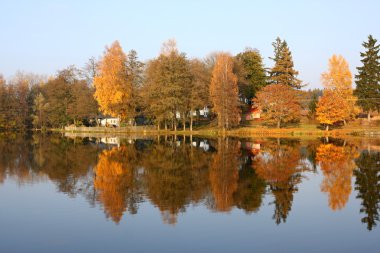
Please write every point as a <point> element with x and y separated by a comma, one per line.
<point>368,186</point>
<point>174,177</point>
<point>117,182</point>
<point>337,165</point>
<point>224,173</point>
<point>64,161</point>
<point>15,158</point>
<point>250,189</point>
<point>280,165</point>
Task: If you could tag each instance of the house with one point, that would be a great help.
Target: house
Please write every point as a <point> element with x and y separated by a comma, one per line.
<point>204,112</point>
<point>106,121</point>
<point>253,113</point>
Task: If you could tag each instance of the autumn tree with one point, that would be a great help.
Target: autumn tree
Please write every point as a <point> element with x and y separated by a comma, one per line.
<point>224,93</point>
<point>283,71</point>
<point>167,87</point>
<point>313,95</point>
<point>331,108</point>
<point>338,78</point>
<point>90,71</point>
<point>22,106</point>
<point>113,86</point>
<point>69,98</point>
<point>39,111</point>
<point>3,103</point>
<point>135,69</point>
<point>199,88</point>
<point>279,104</point>
<point>12,114</point>
<point>83,105</point>
<point>251,73</point>
<point>368,78</point>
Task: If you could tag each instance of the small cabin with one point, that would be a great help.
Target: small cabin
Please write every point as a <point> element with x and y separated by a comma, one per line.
<point>253,113</point>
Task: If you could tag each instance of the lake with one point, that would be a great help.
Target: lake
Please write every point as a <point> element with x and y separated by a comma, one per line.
<point>188,194</point>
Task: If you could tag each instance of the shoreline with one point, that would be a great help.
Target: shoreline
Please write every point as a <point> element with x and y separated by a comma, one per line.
<point>236,132</point>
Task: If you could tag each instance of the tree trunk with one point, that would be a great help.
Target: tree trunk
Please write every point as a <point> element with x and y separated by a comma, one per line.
<point>166,126</point>
<point>327,127</point>
<point>369,116</point>
<point>184,122</point>
<point>158,126</point>
<point>279,124</point>
<point>175,125</point>
<point>344,122</point>
<point>191,122</point>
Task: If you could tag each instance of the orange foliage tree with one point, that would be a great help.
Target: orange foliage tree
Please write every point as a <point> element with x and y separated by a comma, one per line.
<point>279,104</point>
<point>113,87</point>
<point>224,92</point>
<point>330,108</point>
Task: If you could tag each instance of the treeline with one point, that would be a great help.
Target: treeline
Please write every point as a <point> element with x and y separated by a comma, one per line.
<point>32,101</point>
<point>171,90</point>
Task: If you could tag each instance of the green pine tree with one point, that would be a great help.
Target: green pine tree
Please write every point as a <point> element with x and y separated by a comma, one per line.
<point>283,71</point>
<point>368,79</point>
<point>251,73</point>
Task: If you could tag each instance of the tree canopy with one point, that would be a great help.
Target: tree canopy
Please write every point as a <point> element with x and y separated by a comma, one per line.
<point>368,77</point>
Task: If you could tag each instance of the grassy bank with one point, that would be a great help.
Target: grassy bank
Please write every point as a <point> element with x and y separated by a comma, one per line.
<point>243,131</point>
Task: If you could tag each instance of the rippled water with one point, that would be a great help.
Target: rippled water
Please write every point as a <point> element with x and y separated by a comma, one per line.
<point>188,194</point>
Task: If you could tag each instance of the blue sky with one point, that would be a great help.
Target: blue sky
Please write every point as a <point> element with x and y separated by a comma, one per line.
<point>42,36</point>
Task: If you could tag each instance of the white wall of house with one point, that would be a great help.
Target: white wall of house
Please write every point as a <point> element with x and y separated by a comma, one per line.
<point>109,122</point>
<point>203,112</point>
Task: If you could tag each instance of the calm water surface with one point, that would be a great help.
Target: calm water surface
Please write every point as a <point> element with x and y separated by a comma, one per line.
<point>176,194</point>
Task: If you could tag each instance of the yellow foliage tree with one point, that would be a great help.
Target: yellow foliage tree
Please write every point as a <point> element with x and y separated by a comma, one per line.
<point>339,79</point>
<point>113,87</point>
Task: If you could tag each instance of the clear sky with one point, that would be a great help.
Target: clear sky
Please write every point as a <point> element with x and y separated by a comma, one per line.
<point>43,36</point>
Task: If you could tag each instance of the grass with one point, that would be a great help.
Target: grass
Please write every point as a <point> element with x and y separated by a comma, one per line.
<point>256,128</point>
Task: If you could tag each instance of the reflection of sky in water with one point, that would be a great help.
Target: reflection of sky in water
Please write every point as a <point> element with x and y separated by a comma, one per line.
<point>37,217</point>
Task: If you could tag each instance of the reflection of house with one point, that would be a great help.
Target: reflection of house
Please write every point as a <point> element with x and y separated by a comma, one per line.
<point>253,113</point>
<point>254,148</point>
<point>110,140</point>
<point>202,144</point>
<point>108,121</point>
